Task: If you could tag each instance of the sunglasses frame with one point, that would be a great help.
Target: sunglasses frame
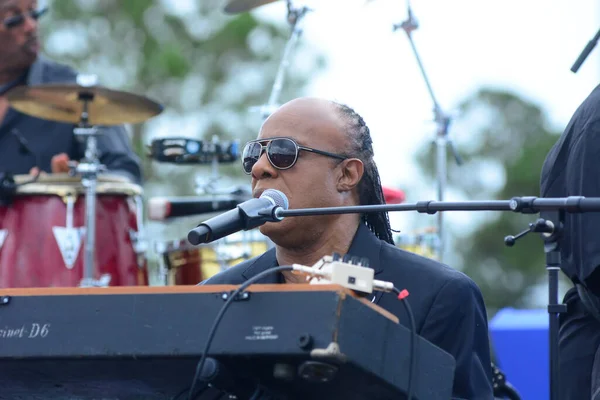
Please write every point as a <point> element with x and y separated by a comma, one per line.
<point>17,20</point>
<point>298,147</point>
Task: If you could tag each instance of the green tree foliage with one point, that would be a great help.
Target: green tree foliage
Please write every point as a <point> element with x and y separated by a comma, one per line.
<point>509,139</point>
<point>206,67</point>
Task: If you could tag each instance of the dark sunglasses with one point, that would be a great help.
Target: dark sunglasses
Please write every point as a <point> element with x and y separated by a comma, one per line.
<point>18,20</point>
<point>282,153</point>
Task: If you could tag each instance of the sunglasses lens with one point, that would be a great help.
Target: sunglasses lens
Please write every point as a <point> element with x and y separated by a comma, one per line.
<point>282,153</point>
<point>13,22</point>
<point>250,156</point>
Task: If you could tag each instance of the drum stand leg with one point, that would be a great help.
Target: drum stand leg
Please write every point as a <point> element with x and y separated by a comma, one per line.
<point>89,168</point>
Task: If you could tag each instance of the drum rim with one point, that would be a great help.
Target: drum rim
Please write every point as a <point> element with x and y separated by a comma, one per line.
<point>65,185</point>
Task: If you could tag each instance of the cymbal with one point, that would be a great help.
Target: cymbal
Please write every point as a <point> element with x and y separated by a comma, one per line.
<point>240,6</point>
<point>61,102</point>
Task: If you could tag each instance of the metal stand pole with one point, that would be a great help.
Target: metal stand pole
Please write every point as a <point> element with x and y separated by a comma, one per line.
<point>555,220</point>
<point>88,168</point>
<point>443,122</point>
<point>550,226</point>
<point>295,19</point>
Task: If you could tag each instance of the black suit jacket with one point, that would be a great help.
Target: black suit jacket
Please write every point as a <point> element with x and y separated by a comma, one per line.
<point>447,305</point>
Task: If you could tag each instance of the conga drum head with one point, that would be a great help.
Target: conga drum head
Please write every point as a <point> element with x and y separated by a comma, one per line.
<point>64,184</point>
<point>43,232</point>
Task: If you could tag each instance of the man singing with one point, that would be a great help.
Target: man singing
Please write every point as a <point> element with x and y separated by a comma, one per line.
<point>572,169</point>
<point>52,142</point>
<point>320,154</point>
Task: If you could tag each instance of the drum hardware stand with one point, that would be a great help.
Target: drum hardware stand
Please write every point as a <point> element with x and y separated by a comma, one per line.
<point>295,17</point>
<point>138,238</point>
<point>550,226</point>
<point>208,187</point>
<point>442,120</point>
<point>88,168</point>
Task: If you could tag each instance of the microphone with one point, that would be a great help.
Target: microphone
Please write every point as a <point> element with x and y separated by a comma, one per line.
<point>162,208</point>
<point>586,52</point>
<point>8,186</point>
<point>26,150</point>
<point>245,216</point>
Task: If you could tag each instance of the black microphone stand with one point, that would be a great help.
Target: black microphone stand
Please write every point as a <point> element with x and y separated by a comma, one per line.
<point>442,120</point>
<point>550,226</point>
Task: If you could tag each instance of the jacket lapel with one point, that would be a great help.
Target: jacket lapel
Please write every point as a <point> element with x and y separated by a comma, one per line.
<point>262,263</point>
<point>366,244</point>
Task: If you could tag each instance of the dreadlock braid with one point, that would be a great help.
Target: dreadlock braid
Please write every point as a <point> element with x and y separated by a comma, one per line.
<point>370,190</point>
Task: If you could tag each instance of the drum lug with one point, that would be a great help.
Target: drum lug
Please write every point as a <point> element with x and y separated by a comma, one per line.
<point>138,238</point>
<point>139,246</point>
<point>4,300</point>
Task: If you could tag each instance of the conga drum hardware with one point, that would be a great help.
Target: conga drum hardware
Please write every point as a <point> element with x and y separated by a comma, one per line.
<point>138,237</point>
<point>69,237</point>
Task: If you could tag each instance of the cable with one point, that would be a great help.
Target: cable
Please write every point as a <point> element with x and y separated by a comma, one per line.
<point>220,315</point>
<point>184,391</point>
<point>402,295</point>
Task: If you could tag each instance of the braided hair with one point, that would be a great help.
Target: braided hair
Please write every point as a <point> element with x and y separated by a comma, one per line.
<point>370,190</point>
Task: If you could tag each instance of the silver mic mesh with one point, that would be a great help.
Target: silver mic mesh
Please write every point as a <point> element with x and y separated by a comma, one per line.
<point>278,197</point>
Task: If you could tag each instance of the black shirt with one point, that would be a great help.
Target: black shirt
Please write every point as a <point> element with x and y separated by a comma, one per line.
<point>48,138</point>
<point>572,168</point>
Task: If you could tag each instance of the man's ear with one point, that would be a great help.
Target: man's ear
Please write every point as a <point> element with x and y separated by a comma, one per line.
<point>352,171</point>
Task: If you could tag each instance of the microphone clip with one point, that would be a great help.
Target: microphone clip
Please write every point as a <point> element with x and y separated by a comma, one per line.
<point>543,226</point>
<point>256,217</point>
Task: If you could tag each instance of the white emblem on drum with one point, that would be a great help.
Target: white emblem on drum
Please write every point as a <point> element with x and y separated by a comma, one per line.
<point>68,237</point>
<point>3,234</point>
<point>69,243</point>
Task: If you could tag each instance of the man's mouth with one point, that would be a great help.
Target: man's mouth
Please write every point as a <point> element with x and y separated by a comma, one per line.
<point>32,44</point>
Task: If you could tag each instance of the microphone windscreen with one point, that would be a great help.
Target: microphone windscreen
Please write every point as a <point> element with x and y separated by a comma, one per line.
<point>278,197</point>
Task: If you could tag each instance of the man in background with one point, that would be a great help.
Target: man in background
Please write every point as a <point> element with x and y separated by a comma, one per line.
<point>53,143</point>
<point>572,168</point>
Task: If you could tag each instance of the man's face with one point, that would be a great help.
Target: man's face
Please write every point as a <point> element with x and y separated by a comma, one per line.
<point>19,45</point>
<point>312,181</point>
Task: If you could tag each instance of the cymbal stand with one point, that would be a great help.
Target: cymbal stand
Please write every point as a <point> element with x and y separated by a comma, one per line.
<point>443,122</point>
<point>207,185</point>
<point>295,17</point>
<point>88,168</point>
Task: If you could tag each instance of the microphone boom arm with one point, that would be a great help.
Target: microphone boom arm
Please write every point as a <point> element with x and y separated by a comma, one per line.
<point>524,205</point>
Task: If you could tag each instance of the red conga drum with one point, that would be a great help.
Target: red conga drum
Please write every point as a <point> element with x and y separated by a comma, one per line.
<point>42,233</point>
